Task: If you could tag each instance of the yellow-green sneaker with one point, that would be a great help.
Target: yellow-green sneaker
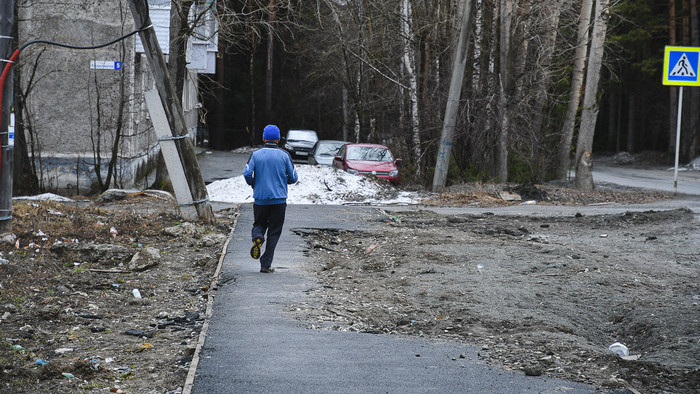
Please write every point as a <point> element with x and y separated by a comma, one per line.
<point>255,250</point>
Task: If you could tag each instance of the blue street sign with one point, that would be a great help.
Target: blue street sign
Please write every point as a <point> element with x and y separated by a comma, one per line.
<point>105,65</point>
<point>682,66</point>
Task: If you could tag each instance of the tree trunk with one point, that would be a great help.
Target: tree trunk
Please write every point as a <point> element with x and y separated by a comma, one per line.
<point>173,111</point>
<point>694,99</point>
<point>673,91</point>
<point>631,116</point>
<point>177,65</point>
<point>409,63</point>
<point>452,110</point>
<point>589,114</point>
<point>506,9</point>
<point>252,130</point>
<point>346,113</point>
<point>545,76</point>
<point>564,148</point>
<point>358,104</point>
<point>612,121</point>
<point>179,33</point>
<point>25,181</point>
<point>272,8</point>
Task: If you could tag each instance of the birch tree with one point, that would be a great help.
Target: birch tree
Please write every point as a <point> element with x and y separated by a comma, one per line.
<point>564,148</point>
<point>409,64</point>
<point>589,113</point>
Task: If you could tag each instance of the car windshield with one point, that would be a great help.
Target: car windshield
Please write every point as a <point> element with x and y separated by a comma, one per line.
<point>302,135</point>
<point>328,148</point>
<point>368,153</point>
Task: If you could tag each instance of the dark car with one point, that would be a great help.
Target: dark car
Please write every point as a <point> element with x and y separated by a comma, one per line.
<point>368,159</point>
<point>299,143</point>
<point>324,151</point>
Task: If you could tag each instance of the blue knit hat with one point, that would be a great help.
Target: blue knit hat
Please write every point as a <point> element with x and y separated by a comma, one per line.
<point>271,133</point>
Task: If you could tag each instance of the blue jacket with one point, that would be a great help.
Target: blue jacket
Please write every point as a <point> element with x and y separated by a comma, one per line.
<point>269,170</point>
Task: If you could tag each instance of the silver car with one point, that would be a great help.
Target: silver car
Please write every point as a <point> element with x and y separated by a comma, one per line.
<point>299,143</point>
<point>324,151</point>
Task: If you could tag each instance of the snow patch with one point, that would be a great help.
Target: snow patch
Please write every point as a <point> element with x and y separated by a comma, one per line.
<point>319,185</point>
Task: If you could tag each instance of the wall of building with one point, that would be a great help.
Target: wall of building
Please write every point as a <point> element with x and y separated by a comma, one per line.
<point>75,108</point>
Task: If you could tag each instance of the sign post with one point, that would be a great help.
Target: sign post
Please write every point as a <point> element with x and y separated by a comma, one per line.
<point>681,68</point>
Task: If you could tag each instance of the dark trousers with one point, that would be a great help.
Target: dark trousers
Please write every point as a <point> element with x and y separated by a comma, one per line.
<point>270,219</point>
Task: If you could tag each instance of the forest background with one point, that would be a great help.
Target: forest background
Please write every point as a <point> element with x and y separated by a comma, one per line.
<point>546,82</point>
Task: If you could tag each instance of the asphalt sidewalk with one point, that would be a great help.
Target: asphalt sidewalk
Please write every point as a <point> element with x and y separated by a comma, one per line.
<point>250,345</point>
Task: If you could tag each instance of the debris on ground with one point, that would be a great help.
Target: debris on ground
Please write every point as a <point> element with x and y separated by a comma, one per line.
<point>544,295</point>
<point>100,295</point>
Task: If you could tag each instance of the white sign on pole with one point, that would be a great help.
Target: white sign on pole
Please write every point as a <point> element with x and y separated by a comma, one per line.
<point>11,130</point>
<point>105,65</point>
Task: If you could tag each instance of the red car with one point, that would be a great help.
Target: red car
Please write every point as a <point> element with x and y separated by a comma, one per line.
<point>368,159</point>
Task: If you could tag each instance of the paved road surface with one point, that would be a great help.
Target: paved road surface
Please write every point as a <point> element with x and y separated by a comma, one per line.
<point>656,178</point>
<point>252,346</point>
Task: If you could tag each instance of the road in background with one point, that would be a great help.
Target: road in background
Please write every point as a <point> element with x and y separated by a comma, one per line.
<point>218,165</point>
<point>652,178</point>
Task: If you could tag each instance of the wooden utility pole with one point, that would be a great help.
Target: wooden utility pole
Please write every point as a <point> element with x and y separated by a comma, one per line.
<point>6,141</point>
<point>451,111</point>
<point>173,110</point>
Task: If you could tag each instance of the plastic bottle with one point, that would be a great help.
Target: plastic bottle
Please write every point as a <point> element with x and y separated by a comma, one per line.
<point>619,349</point>
<point>136,293</point>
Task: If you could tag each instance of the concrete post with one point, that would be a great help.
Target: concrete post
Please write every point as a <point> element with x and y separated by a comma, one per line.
<point>6,143</point>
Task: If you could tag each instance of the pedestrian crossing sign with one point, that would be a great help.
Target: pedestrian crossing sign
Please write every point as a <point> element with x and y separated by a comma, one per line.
<point>682,66</point>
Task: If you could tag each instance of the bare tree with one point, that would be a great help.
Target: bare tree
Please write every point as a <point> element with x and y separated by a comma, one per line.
<point>25,181</point>
<point>272,9</point>
<point>589,114</point>
<point>673,91</point>
<point>564,148</point>
<point>694,102</point>
<point>409,64</point>
<point>505,11</point>
<point>106,125</point>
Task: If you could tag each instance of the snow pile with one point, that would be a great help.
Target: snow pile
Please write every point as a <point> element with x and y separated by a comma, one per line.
<point>318,185</point>
<point>45,197</point>
<point>695,164</point>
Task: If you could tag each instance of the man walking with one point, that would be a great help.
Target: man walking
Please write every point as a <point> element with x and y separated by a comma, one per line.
<point>269,170</point>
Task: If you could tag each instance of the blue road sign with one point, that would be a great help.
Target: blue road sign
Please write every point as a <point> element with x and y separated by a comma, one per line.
<point>682,66</point>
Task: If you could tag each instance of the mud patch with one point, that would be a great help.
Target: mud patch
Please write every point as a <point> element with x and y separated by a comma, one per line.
<point>540,295</point>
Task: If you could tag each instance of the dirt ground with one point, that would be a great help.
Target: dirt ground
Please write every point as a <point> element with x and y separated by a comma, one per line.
<point>70,321</point>
<point>546,296</point>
